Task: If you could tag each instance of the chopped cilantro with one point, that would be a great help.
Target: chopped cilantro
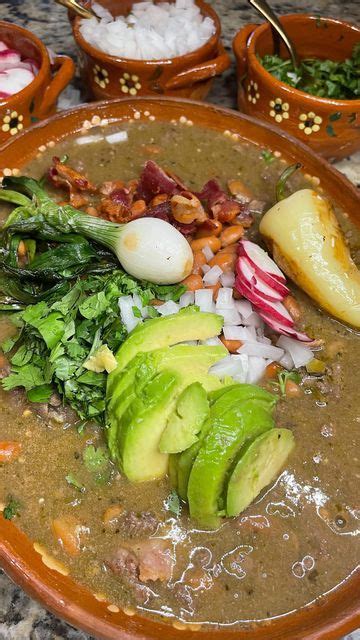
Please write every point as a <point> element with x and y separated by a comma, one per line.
<point>284,376</point>
<point>73,482</point>
<point>97,461</point>
<point>267,156</point>
<point>172,503</point>
<point>11,509</point>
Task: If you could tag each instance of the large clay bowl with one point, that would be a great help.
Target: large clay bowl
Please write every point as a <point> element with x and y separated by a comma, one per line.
<point>186,76</point>
<point>334,614</point>
<point>37,100</point>
<point>330,127</point>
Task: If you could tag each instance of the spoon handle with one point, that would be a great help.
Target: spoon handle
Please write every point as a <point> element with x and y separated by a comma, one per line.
<point>262,7</point>
<point>75,6</point>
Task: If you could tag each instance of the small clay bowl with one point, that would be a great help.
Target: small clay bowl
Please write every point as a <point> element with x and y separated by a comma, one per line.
<point>38,99</point>
<point>188,76</point>
<point>330,127</point>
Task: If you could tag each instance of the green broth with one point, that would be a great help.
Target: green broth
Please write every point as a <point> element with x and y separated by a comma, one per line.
<point>298,540</point>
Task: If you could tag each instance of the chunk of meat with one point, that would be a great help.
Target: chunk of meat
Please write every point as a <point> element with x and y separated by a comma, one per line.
<point>138,524</point>
<point>223,208</point>
<point>161,210</point>
<point>144,561</point>
<point>110,186</point>
<point>155,559</point>
<point>4,366</point>
<point>117,205</point>
<point>154,180</point>
<point>62,175</point>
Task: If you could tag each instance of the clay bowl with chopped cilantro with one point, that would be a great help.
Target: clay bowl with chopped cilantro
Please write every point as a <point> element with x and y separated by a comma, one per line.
<point>319,102</point>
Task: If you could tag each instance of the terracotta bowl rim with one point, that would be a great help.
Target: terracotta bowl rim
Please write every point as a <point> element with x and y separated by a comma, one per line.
<point>44,67</point>
<point>331,103</point>
<point>97,54</point>
<point>20,568</point>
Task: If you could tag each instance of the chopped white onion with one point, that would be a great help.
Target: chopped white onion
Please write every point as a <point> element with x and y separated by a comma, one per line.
<point>212,276</point>
<point>287,361</point>
<point>244,307</point>
<point>300,353</point>
<point>212,342</point>
<point>235,366</point>
<point>139,305</point>
<point>207,253</point>
<point>227,279</point>
<point>230,316</point>
<point>257,368</point>
<point>168,308</point>
<point>126,304</point>
<point>186,299</point>
<point>225,299</point>
<point>261,350</point>
<point>205,268</point>
<point>254,320</point>
<point>88,139</point>
<point>118,136</point>
<point>204,300</point>
<point>232,332</point>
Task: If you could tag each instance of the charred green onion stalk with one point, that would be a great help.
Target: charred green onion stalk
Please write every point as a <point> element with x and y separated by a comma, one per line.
<point>147,248</point>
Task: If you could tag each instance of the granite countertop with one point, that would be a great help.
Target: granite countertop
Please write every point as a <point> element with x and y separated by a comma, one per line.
<point>20,617</point>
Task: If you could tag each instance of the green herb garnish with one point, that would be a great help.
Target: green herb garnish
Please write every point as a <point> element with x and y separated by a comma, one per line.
<point>284,376</point>
<point>267,156</point>
<point>73,482</point>
<point>172,503</point>
<point>322,78</point>
<point>11,509</point>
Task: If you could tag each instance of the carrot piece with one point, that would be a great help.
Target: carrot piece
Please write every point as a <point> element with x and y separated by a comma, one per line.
<point>112,513</point>
<point>193,282</point>
<point>9,450</point>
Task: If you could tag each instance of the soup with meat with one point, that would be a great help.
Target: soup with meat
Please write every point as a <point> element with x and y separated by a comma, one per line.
<point>105,487</point>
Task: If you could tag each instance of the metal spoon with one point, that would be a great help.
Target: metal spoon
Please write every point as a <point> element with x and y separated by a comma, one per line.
<point>77,8</point>
<point>262,7</point>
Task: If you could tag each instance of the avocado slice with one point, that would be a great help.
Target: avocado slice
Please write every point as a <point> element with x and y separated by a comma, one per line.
<point>192,409</point>
<point>229,431</point>
<point>260,463</point>
<point>141,425</point>
<point>188,324</point>
<point>221,401</point>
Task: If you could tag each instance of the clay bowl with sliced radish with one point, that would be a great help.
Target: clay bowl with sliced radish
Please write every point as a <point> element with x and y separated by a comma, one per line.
<point>31,79</point>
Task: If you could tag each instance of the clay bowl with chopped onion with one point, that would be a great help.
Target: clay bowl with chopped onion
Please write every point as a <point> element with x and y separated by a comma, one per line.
<point>189,75</point>
<point>25,560</point>
<point>32,82</point>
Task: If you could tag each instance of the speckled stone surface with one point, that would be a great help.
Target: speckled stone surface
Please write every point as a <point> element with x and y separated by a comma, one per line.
<point>20,617</point>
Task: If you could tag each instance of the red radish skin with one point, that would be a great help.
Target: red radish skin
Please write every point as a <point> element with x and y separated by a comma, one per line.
<point>248,276</point>
<point>264,266</point>
<point>274,309</point>
<point>291,332</point>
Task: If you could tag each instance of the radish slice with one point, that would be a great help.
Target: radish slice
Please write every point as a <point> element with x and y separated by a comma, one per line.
<point>9,59</point>
<point>274,309</point>
<point>14,80</point>
<point>4,95</point>
<point>262,263</point>
<point>32,65</point>
<point>3,46</point>
<point>279,327</point>
<point>248,275</point>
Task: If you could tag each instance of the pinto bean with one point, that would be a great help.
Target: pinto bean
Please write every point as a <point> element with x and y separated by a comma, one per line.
<point>272,371</point>
<point>209,241</point>
<point>293,307</point>
<point>199,261</point>
<point>231,234</point>
<point>231,345</point>
<point>9,450</point>
<point>67,530</point>
<point>214,227</point>
<point>231,248</point>
<point>225,261</point>
<point>193,282</point>
<point>238,188</point>
<point>112,513</point>
<point>292,390</point>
